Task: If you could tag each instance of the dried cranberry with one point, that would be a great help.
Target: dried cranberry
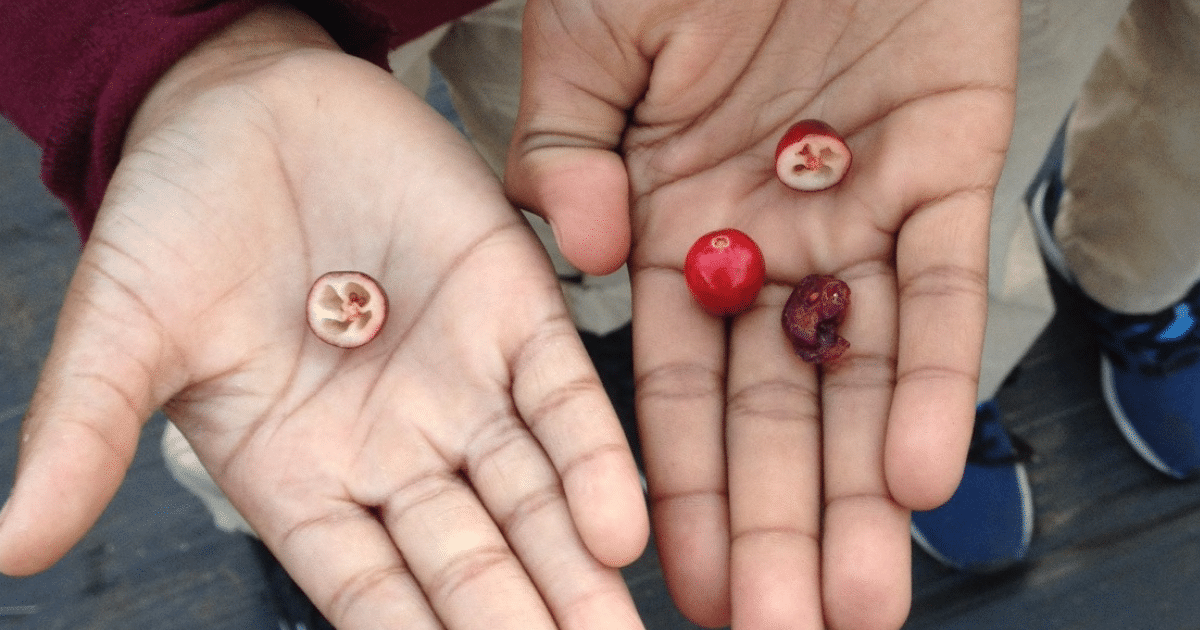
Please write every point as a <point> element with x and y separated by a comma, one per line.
<point>816,307</point>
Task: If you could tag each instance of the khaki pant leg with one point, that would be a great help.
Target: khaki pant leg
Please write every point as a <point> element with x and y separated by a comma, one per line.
<point>1060,42</point>
<point>1129,220</point>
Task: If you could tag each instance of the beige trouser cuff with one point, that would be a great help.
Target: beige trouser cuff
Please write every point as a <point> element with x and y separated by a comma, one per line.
<point>1128,222</point>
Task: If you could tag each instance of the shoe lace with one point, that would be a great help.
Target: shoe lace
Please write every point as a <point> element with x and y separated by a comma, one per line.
<point>1155,344</point>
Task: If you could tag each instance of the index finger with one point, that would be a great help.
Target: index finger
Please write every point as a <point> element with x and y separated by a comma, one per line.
<point>679,363</point>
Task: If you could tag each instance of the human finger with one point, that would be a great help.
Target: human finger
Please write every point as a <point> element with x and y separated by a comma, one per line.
<point>458,555</point>
<point>517,483</point>
<point>774,450</point>
<point>941,273</point>
<point>866,563</point>
<point>562,401</point>
<point>679,365</point>
<point>348,565</point>
<point>562,163</point>
<point>107,370</point>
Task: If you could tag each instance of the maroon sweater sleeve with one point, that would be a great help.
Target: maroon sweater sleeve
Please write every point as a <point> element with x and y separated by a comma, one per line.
<point>72,72</point>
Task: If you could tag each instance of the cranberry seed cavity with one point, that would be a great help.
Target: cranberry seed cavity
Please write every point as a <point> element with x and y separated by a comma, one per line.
<point>346,308</point>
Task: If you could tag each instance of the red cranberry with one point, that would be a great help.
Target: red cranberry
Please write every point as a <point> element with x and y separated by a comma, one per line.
<point>724,271</point>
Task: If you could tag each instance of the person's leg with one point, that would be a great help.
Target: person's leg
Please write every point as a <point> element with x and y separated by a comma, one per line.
<point>1060,42</point>
<point>988,523</point>
<point>1128,223</point>
<point>183,464</point>
<point>1125,230</point>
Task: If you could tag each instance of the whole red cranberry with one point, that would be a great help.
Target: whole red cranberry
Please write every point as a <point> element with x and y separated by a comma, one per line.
<point>725,271</point>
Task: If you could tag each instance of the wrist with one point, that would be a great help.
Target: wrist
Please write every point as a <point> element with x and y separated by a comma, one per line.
<point>252,43</point>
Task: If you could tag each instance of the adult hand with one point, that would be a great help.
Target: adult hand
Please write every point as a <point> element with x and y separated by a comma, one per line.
<point>463,470</point>
<point>780,492</point>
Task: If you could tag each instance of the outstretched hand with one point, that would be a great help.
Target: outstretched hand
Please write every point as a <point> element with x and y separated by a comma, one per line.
<point>462,470</point>
<point>780,492</point>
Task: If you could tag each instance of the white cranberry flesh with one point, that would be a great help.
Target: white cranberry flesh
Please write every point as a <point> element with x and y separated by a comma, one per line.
<point>811,156</point>
<point>346,308</point>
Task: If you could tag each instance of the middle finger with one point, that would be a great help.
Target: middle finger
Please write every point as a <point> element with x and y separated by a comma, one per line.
<point>774,449</point>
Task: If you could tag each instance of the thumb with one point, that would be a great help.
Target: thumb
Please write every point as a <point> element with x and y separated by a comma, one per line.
<point>583,194</point>
<point>81,431</point>
<point>580,77</point>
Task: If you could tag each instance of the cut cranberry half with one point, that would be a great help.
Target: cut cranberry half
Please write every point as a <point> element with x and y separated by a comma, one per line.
<point>346,308</point>
<point>724,271</point>
<point>811,156</point>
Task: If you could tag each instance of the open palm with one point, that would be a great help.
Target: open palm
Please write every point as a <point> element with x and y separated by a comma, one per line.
<point>462,470</point>
<point>780,491</point>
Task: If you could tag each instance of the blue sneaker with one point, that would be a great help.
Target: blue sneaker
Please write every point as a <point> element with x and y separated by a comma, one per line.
<point>1149,364</point>
<point>988,524</point>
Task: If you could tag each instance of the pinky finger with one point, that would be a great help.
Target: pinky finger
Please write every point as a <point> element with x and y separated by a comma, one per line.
<point>943,309</point>
<point>561,398</point>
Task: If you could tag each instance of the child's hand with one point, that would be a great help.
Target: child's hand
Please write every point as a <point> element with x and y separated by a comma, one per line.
<point>780,494</point>
<point>464,469</point>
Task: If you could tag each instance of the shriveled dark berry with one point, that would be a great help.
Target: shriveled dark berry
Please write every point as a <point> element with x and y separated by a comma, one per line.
<point>811,316</point>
